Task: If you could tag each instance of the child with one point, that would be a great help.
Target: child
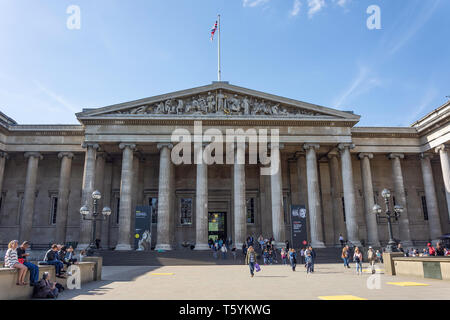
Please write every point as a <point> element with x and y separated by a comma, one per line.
<point>308,260</point>
<point>283,256</point>
<point>266,256</point>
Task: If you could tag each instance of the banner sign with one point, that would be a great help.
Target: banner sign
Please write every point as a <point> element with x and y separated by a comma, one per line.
<point>143,228</point>
<point>298,223</point>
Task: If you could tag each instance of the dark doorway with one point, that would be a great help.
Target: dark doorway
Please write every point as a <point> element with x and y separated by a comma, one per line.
<point>217,225</point>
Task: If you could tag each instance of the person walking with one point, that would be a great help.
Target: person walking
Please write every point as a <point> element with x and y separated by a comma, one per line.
<point>22,257</point>
<point>308,260</point>
<point>224,251</point>
<point>233,252</point>
<point>345,257</point>
<point>358,258</point>
<point>293,258</point>
<point>302,255</point>
<point>284,256</point>
<point>371,258</point>
<point>313,256</point>
<point>12,262</point>
<point>250,260</point>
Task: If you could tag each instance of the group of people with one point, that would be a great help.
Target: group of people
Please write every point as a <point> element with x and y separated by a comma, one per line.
<point>16,257</point>
<point>439,251</point>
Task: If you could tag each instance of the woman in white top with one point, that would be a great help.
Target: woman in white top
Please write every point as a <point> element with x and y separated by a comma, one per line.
<point>11,261</point>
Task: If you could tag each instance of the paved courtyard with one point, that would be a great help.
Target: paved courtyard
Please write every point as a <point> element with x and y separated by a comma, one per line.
<point>330,281</point>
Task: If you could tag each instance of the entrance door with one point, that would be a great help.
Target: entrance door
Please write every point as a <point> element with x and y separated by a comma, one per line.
<point>217,225</point>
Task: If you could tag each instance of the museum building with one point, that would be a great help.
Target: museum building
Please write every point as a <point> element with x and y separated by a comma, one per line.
<point>328,164</point>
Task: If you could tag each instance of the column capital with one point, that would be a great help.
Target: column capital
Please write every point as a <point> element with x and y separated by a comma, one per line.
<point>3,154</point>
<point>443,147</point>
<point>164,145</point>
<point>396,155</point>
<point>426,156</point>
<point>87,145</point>
<point>362,155</point>
<point>65,154</point>
<point>343,146</point>
<point>332,155</point>
<point>34,155</point>
<point>308,146</point>
<point>124,145</point>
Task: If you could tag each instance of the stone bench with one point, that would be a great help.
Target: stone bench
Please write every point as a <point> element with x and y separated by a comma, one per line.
<point>422,267</point>
<point>90,270</point>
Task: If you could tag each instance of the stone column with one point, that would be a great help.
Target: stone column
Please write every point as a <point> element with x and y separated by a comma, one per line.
<point>126,187</point>
<point>400,198</point>
<point>106,197</point>
<point>445,165</point>
<point>434,221</point>
<point>349,194</point>
<point>3,157</point>
<point>201,204</point>
<point>240,215</point>
<point>314,205</point>
<point>164,198</point>
<point>29,197</point>
<point>276,187</point>
<point>338,217</point>
<point>86,193</point>
<point>371,219</point>
<point>63,196</point>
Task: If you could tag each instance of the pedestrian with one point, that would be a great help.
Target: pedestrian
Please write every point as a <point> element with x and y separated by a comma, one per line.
<point>284,256</point>
<point>22,257</point>
<point>214,250</point>
<point>244,249</point>
<point>345,257</point>
<point>371,258</point>
<point>379,256</point>
<point>51,258</point>
<point>233,252</point>
<point>224,251</point>
<point>309,264</point>
<point>302,255</point>
<point>431,250</point>
<point>287,245</point>
<point>341,240</point>
<point>440,250</point>
<point>358,258</point>
<point>250,259</point>
<point>293,258</point>
<point>266,257</point>
<point>313,256</point>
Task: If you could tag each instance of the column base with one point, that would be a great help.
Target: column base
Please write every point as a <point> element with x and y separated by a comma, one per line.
<point>355,243</point>
<point>123,247</point>
<point>82,246</point>
<point>317,244</point>
<point>166,247</point>
<point>202,246</point>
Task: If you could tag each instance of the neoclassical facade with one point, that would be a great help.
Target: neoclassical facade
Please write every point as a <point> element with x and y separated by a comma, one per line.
<point>334,168</point>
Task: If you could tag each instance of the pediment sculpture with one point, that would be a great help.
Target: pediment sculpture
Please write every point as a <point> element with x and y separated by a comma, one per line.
<point>218,103</point>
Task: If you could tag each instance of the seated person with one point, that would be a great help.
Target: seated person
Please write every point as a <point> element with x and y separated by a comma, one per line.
<point>34,269</point>
<point>51,257</point>
<point>45,288</point>
<point>69,257</point>
<point>12,262</point>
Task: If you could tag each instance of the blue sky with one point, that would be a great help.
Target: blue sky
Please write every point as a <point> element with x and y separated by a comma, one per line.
<point>318,51</point>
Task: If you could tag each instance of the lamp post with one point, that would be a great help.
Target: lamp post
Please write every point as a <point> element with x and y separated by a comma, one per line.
<point>386,194</point>
<point>84,210</point>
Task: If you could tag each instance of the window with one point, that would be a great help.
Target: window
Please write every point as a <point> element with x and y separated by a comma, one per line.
<point>251,210</point>
<point>53,208</point>
<point>186,211</point>
<point>117,209</point>
<point>424,208</point>
<point>343,208</point>
<point>153,202</point>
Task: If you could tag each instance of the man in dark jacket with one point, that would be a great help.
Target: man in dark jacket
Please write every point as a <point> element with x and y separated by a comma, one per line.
<point>51,257</point>
<point>45,288</point>
<point>34,269</point>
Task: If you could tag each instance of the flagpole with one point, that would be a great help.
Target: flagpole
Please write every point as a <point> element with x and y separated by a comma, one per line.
<point>218,51</point>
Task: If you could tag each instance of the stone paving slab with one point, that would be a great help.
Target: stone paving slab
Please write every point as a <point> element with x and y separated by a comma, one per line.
<point>276,282</point>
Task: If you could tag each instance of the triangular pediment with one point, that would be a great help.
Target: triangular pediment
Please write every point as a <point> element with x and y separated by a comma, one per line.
<point>219,99</point>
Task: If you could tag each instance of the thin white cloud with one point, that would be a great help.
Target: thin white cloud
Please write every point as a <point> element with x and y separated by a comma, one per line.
<point>412,28</point>
<point>341,3</point>
<point>425,104</point>
<point>59,99</point>
<point>253,3</point>
<point>315,6</point>
<point>363,82</point>
<point>296,8</point>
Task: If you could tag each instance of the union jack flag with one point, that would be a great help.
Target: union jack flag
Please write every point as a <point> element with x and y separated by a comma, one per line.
<point>213,31</point>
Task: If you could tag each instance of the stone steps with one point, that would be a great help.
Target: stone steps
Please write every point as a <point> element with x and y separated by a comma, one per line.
<point>191,257</point>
